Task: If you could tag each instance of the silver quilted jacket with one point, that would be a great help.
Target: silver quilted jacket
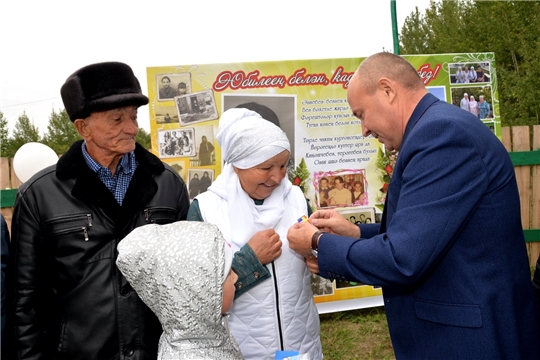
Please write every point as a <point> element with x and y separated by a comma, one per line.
<point>177,270</point>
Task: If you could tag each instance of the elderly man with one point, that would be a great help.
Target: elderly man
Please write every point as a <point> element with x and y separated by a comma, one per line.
<point>449,252</point>
<point>69,299</point>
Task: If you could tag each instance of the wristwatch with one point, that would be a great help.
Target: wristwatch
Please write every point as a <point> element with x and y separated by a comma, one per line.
<point>315,243</point>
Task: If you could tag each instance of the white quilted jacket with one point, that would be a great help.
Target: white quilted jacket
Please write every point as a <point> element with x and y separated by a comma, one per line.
<point>279,313</point>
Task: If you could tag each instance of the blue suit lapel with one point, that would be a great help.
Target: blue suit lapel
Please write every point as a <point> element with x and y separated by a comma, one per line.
<point>418,112</point>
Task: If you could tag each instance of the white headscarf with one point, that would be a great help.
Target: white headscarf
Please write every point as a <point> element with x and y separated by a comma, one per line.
<point>247,140</point>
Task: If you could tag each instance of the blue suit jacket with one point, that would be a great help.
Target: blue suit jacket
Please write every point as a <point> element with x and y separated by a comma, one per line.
<point>450,253</point>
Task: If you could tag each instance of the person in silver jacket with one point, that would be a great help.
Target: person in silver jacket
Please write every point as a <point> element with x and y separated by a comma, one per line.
<point>182,271</point>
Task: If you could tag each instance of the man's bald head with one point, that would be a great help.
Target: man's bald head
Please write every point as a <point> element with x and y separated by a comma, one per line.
<point>383,93</point>
<point>393,67</point>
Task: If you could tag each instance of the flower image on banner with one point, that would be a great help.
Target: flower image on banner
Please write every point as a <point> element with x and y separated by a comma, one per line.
<point>386,160</point>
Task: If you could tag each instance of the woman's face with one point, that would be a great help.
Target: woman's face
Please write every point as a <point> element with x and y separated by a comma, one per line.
<point>259,181</point>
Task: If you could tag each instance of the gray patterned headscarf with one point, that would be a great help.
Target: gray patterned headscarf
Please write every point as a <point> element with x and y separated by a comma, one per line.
<point>178,270</point>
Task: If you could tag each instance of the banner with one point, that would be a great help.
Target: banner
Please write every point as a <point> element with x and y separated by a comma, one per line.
<point>333,163</point>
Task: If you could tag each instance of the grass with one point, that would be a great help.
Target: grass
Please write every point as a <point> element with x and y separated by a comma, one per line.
<point>356,334</point>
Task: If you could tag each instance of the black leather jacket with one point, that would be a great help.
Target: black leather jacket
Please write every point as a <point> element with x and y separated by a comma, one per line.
<point>69,300</point>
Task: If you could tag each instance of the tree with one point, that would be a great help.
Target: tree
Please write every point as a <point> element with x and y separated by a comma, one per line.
<point>25,131</point>
<point>4,136</point>
<point>61,133</point>
<point>143,138</point>
<point>508,28</point>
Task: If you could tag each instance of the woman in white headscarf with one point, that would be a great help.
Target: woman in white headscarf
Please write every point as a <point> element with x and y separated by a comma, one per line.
<point>254,204</point>
<point>473,106</point>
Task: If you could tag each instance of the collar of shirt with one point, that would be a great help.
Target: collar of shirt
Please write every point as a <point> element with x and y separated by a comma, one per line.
<point>119,183</point>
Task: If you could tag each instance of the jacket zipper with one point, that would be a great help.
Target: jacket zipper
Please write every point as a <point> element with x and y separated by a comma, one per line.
<point>277,307</point>
<point>85,228</point>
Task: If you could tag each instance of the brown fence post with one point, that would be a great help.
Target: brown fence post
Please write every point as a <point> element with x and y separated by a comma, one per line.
<point>520,141</point>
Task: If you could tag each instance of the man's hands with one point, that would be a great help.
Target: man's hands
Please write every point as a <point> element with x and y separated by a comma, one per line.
<point>266,245</point>
<point>333,222</point>
<point>299,236</point>
<point>330,221</point>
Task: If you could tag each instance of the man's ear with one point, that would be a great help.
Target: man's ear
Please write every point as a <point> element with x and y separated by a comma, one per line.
<point>82,127</point>
<point>388,87</point>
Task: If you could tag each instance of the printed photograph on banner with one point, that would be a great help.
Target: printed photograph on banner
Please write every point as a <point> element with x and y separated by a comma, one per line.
<point>180,167</point>
<point>438,91</point>
<point>475,99</point>
<point>490,125</point>
<point>197,107</point>
<point>199,181</point>
<point>278,109</point>
<point>340,284</point>
<point>166,115</point>
<point>176,143</point>
<point>321,286</point>
<point>344,187</point>
<point>467,73</point>
<point>358,215</point>
<point>171,85</point>
<point>204,147</point>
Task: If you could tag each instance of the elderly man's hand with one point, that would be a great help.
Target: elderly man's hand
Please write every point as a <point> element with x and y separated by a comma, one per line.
<point>333,222</point>
<point>267,245</point>
<point>299,236</point>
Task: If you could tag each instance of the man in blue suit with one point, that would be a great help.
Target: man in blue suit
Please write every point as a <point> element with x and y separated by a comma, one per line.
<point>449,253</point>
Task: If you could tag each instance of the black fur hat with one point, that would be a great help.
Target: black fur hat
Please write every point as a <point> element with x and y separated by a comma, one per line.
<point>99,87</point>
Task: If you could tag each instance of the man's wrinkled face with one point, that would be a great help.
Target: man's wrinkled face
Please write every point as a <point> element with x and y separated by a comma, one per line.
<point>111,132</point>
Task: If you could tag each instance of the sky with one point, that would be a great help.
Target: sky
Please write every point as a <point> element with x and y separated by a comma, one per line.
<point>43,42</point>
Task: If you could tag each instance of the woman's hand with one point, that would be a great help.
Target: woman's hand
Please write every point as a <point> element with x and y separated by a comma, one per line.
<point>312,264</point>
<point>266,245</point>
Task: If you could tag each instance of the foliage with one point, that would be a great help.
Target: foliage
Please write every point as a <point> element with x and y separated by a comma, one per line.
<point>143,138</point>
<point>25,131</point>
<point>508,28</point>
<point>4,136</point>
<point>386,160</point>
<point>61,133</point>
<point>300,176</point>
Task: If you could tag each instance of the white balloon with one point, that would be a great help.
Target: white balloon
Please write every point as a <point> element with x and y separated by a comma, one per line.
<point>31,158</point>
